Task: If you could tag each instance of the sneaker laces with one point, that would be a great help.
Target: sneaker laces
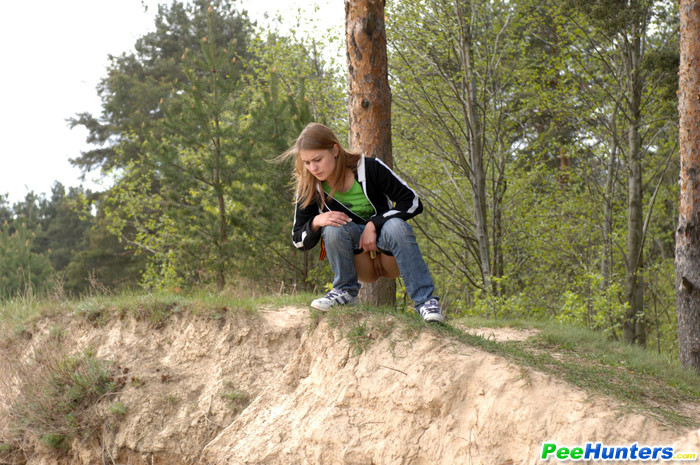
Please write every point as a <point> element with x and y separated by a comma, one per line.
<point>333,293</point>
<point>431,306</point>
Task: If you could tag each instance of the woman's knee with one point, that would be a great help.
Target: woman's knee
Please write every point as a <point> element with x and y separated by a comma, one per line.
<point>396,230</point>
<point>335,235</point>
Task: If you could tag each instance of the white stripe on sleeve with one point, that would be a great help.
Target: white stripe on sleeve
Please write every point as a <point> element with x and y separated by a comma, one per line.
<point>300,244</point>
<point>414,205</point>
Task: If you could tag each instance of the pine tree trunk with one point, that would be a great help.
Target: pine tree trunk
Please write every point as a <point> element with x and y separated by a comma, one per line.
<point>369,103</point>
<point>688,233</point>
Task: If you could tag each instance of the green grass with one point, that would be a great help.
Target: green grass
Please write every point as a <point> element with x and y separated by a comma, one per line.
<point>18,315</point>
<point>641,380</point>
<point>586,346</point>
<point>118,409</point>
<point>236,399</point>
<point>55,394</point>
<point>363,325</point>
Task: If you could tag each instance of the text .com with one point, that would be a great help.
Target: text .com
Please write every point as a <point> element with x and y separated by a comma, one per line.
<point>599,451</point>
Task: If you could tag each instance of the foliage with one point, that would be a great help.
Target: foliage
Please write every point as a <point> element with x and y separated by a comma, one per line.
<point>236,399</point>
<point>139,83</point>
<point>452,74</point>
<point>181,195</point>
<point>65,219</point>
<point>199,200</point>
<point>550,88</point>
<point>21,269</point>
<point>117,408</point>
<point>601,310</point>
<point>103,261</point>
<point>535,93</point>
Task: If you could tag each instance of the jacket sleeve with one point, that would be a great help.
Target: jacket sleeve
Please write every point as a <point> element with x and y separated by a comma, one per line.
<point>406,203</point>
<point>303,237</point>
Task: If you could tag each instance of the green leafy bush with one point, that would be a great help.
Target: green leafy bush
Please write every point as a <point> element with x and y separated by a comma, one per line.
<point>601,309</point>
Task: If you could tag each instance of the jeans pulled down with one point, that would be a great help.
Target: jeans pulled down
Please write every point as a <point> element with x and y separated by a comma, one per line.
<point>396,237</point>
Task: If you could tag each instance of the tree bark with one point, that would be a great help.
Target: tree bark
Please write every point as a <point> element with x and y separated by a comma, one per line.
<point>476,152</point>
<point>369,103</point>
<point>688,233</point>
<point>221,201</point>
<point>607,261</point>
<point>633,327</point>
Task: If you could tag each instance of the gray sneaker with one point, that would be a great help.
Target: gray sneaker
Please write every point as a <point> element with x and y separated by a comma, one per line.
<point>334,297</point>
<point>431,311</point>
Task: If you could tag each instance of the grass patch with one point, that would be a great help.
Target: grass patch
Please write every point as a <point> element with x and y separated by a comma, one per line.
<point>359,337</point>
<point>640,379</point>
<point>237,400</point>
<point>19,315</point>
<point>155,309</point>
<point>55,395</point>
<point>362,325</point>
<point>118,409</point>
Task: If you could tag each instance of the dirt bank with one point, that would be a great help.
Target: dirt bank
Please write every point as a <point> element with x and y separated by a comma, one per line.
<point>280,388</point>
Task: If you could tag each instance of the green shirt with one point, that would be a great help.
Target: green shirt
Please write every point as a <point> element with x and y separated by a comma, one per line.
<point>354,200</point>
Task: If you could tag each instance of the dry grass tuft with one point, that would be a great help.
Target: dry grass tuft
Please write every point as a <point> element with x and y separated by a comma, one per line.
<point>53,398</point>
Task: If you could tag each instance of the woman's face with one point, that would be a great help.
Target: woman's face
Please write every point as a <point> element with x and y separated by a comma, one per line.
<point>320,162</point>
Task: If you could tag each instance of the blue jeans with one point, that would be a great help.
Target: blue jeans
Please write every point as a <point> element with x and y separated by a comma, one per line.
<point>398,238</point>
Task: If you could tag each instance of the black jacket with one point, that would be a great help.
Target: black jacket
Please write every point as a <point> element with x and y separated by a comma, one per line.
<point>389,195</point>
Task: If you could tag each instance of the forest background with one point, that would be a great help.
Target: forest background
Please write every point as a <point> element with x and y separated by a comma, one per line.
<point>541,135</point>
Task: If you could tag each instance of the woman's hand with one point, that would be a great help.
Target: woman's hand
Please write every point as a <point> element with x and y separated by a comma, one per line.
<point>329,219</point>
<point>368,240</point>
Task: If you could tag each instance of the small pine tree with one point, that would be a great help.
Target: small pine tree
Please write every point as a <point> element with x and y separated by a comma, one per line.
<point>21,270</point>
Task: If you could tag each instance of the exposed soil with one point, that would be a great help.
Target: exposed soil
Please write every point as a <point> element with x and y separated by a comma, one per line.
<point>279,388</point>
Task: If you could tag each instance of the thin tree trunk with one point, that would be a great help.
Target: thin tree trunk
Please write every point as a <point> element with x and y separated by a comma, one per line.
<point>221,201</point>
<point>369,103</point>
<point>688,233</point>
<point>633,328</point>
<point>476,154</point>
<point>499,190</point>
<point>606,264</point>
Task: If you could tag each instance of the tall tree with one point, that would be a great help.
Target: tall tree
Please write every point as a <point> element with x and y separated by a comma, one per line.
<point>183,209</point>
<point>138,84</point>
<point>688,233</point>
<point>621,39</point>
<point>293,85</point>
<point>634,329</point>
<point>369,102</point>
<point>454,66</point>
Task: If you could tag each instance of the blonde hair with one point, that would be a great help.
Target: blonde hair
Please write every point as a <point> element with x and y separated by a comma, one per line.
<point>316,136</point>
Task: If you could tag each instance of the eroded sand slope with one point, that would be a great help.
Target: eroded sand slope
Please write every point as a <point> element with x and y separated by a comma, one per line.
<point>407,399</point>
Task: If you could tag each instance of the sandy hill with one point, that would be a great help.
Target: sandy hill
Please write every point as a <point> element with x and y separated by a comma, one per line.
<point>279,387</point>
